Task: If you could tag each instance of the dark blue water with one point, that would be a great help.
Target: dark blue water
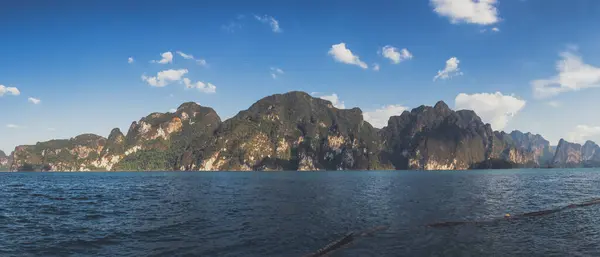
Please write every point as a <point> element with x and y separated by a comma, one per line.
<point>296,213</point>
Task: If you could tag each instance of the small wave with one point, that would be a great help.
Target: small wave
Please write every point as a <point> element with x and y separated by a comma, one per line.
<point>81,198</point>
<point>94,216</point>
<point>15,185</point>
<point>52,210</point>
<point>86,244</point>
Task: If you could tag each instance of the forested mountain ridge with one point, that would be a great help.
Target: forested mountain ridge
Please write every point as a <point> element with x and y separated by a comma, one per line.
<point>296,131</point>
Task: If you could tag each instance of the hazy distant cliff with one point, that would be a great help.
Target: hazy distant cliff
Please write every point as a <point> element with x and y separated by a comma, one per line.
<point>571,155</point>
<point>295,131</point>
<point>5,161</point>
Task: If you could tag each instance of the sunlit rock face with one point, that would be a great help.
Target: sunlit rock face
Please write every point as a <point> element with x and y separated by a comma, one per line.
<point>567,154</point>
<point>570,155</point>
<point>76,154</point>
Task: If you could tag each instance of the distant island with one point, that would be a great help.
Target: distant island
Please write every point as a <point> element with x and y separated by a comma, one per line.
<point>295,131</point>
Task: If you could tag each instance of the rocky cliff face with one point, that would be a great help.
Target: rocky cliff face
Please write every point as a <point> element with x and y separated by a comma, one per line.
<point>295,131</point>
<point>567,154</point>
<point>535,144</point>
<point>75,154</point>
<point>5,161</point>
<point>170,141</point>
<point>436,138</point>
<point>570,155</point>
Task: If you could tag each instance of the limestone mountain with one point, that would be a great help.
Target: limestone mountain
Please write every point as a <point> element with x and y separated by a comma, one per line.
<point>295,131</point>
<point>167,141</point>
<point>5,161</point>
<point>437,137</point>
<point>571,155</point>
<point>75,154</point>
<point>536,144</point>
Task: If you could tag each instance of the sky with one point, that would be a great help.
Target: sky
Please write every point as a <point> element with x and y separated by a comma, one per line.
<point>73,67</point>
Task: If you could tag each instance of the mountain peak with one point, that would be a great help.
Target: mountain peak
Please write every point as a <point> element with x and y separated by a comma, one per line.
<point>441,105</point>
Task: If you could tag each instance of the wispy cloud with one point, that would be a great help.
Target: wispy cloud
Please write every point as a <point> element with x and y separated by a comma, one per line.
<point>573,75</point>
<point>450,70</point>
<point>581,133</point>
<point>376,67</point>
<point>554,103</point>
<point>9,90</point>
<point>275,72</point>
<point>13,126</point>
<point>271,21</point>
<point>234,25</point>
<point>340,53</point>
<point>201,86</point>
<point>34,100</point>
<point>130,60</point>
<point>200,62</point>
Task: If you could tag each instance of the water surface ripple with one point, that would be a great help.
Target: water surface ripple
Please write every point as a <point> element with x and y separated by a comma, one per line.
<point>296,213</point>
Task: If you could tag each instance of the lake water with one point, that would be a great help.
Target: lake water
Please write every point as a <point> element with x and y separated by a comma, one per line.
<point>296,213</point>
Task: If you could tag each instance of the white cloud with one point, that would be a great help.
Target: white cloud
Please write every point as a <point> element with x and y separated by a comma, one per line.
<point>394,55</point>
<point>483,12</point>
<point>496,109</point>
<point>581,133</point>
<point>271,21</point>
<point>201,62</point>
<point>573,75</point>
<point>51,129</point>
<point>130,60</point>
<point>342,54</point>
<point>173,110</point>
<point>554,103</point>
<point>450,70</point>
<point>34,100</point>
<point>13,126</point>
<point>167,57</point>
<point>9,90</point>
<point>333,98</point>
<point>201,86</point>
<point>495,29</point>
<point>275,72</point>
<point>379,117</point>
<point>376,67</point>
<point>165,77</point>
<point>185,56</point>
<point>231,26</point>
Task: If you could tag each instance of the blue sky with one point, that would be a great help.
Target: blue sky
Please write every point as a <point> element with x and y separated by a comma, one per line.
<point>72,56</point>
